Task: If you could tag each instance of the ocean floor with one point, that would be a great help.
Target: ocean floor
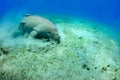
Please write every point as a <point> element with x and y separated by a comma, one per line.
<point>88,51</point>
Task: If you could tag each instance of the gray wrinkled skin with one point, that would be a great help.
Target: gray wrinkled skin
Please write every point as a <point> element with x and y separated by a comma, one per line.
<point>38,27</point>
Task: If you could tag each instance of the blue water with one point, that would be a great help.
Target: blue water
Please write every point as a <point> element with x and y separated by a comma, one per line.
<point>103,11</point>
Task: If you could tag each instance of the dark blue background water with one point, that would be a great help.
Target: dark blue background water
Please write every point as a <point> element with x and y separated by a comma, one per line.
<point>104,11</point>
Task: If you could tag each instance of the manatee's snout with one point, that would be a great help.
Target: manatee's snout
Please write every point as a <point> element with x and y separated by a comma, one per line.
<point>57,39</point>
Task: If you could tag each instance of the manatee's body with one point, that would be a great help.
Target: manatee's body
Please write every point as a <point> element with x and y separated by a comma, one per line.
<point>38,27</point>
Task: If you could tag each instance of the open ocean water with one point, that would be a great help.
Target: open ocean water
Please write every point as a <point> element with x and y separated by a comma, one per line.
<point>89,47</point>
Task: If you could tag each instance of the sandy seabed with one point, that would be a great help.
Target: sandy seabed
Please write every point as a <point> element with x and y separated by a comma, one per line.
<point>87,52</point>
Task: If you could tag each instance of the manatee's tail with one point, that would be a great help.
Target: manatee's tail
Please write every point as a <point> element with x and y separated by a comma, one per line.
<point>21,25</point>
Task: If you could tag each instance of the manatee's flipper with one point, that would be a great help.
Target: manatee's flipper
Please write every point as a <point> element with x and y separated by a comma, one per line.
<point>26,15</point>
<point>33,34</point>
<point>41,33</point>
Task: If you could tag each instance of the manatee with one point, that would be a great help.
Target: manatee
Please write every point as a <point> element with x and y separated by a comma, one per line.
<point>38,27</point>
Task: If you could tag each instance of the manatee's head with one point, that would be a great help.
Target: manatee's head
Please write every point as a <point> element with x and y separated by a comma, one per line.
<point>55,36</point>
